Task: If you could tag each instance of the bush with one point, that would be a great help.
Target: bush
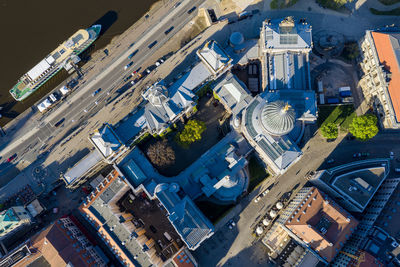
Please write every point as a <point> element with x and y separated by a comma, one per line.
<point>192,132</point>
<point>364,127</point>
<point>161,154</point>
<point>329,130</point>
<point>393,12</point>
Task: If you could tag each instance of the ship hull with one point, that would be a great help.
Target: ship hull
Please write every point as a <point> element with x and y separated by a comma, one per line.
<point>24,89</point>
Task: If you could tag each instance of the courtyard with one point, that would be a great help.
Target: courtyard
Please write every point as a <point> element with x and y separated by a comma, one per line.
<point>216,119</point>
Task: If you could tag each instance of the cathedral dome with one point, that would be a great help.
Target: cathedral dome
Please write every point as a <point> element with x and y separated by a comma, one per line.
<point>278,118</point>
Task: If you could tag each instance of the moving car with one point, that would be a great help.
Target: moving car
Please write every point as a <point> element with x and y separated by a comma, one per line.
<point>169,30</point>
<point>190,11</point>
<point>133,54</point>
<point>96,92</point>
<point>128,65</point>
<point>152,44</point>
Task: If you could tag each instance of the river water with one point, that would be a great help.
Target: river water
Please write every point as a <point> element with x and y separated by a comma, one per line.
<point>33,28</point>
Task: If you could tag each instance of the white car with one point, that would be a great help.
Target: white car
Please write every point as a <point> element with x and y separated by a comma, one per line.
<point>263,194</point>
<point>258,198</point>
<point>132,82</point>
<point>391,155</point>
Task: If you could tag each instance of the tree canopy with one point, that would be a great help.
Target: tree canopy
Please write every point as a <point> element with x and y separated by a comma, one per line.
<point>364,127</point>
<point>329,130</point>
<point>161,154</point>
<point>192,132</point>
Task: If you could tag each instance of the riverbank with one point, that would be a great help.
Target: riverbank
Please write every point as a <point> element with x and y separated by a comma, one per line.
<point>117,18</point>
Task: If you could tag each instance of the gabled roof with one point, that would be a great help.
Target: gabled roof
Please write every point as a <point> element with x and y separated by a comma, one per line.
<point>214,56</point>
<point>186,218</point>
<point>388,49</point>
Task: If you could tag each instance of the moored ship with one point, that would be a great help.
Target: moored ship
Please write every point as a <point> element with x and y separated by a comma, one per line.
<point>65,56</point>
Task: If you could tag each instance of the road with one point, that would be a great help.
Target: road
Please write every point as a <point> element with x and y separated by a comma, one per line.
<point>79,106</point>
<point>238,247</point>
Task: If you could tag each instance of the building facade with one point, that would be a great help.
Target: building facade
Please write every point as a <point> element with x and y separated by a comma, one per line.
<point>380,50</point>
<point>13,220</point>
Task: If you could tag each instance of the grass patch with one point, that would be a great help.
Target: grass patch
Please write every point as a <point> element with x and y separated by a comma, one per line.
<point>389,2</point>
<point>257,173</point>
<point>341,115</point>
<point>333,4</point>
<point>212,211</point>
<point>393,12</point>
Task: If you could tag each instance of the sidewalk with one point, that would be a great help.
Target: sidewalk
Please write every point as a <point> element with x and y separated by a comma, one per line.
<point>92,80</point>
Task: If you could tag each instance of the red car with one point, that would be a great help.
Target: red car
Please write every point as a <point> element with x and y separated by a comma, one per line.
<point>12,158</point>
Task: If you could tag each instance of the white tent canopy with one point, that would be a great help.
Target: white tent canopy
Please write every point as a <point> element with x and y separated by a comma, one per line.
<point>46,103</point>
<point>64,90</point>
<point>41,107</point>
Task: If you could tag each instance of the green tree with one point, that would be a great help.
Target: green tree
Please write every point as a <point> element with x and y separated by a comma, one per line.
<point>329,130</point>
<point>364,127</point>
<point>192,132</point>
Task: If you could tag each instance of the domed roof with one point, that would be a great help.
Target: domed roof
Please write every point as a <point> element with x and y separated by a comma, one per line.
<point>236,38</point>
<point>278,118</point>
<point>156,94</point>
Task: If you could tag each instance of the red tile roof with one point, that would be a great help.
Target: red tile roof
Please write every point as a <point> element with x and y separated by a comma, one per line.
<point>387,57</point>
<point>316,212</point>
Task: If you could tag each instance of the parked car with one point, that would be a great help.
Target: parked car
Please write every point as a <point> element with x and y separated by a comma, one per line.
<point>391,155</point>
<point>190,11</point>
<point>12,158</point>
<point>365,154</point>
<point>132,82</point>
<point>231,223</point>
<point>266,191</point>
<point>330,161</point>
<point>128,65</point>
<point>177,4</point>
<point>96,92</point>
<point>131,45</point>
<point>258,198</point>
<point>127,78</point>
<point>356,155</point>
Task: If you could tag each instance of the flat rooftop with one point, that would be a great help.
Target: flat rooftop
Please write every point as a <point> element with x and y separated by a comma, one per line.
<point>287,34</point>
<point>153,218</point>
<point>288,71</point>
<point>349,185</point>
